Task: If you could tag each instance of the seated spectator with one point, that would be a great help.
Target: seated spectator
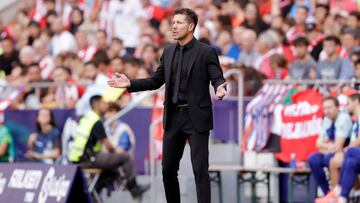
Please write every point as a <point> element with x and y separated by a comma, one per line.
<point>9,56</point>
<point>337,161</point>
<point>334,67</point>
<point>300,67</point>
<point>44,145</point>
<point>336,131</point>
<point>89,138</point>
<point>120,133</point>
<point>7,147</point>
<point>278,65</point>
<point>63,96</point>
<point>248,53</point>
<point>62,40</point>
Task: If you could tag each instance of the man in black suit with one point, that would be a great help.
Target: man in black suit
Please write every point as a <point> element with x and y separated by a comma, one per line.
<point>186,68</point>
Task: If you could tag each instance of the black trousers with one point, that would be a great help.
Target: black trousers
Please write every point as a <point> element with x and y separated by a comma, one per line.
<point>180,130</point>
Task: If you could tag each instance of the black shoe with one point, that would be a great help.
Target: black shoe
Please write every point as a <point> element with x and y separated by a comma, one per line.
<point>138,190</point>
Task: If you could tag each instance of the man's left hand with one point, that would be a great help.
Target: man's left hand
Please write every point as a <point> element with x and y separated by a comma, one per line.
<point>221,91</point>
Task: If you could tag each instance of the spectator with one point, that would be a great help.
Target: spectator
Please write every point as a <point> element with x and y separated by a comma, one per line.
<point>299,28</point>
<point>43,57</point>
<point>62,40</point>
<point>27,56</point>
<point>76,19</point>
<point>101,40</point>
<point>150,56</point>
<point>321,13</point>
<point>248,54</point>
<point>120,133</point>
<point>132,66</point>
<point>265,47</point>
<point>278,65</point>
<point>9,56</point>
<point>86,51</point>
<point>337,161</point>
<point>117,65</point>
<point>353,20</point>
<point>336,131</point>
<point>45,143</point>
<point>90,72</point>
<point>253,20</point>
<point>34,32</point>
<point>116,48</point>
<point>300,67</point>
<point>334,67</point>
<point>88,141</point>
<point>7,147</point>
<point>350,41</point>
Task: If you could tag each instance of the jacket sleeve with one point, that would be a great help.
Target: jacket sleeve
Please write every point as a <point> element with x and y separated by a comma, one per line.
<point>214,70</point>
<point>153,82</point>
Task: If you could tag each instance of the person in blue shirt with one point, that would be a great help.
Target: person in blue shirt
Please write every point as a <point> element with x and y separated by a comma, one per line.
<point>44,144</point>
<point>120,133</point>
<point>336,131</point>
<point>350,163</point>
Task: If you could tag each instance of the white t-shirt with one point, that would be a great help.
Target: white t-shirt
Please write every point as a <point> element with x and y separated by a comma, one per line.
<point>64,42</point>
<point>124,16</point>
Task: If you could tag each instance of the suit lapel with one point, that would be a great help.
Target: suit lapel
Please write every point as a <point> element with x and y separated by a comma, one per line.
<point>168,61</point>
<point>192,58</point>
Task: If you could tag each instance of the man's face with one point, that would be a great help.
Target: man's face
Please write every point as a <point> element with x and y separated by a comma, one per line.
<point>7,46</point>
<point>351,105</point>
<point>300,16</point>
<point>330,47</point>
<point>181,28</point>
<point>348,41</point>
<point>329,109</point>
<point>102,105</point>
<point>301,51</point>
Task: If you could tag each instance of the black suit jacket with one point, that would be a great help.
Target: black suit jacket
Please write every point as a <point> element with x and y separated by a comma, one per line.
<point>204,68</point>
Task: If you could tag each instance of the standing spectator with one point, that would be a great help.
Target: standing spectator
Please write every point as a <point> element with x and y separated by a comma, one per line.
<point>44,144</point>
<point>9,56</point>
<point>248,54</point>
<point>300,67</point>
<point>7,147</point>
<point>334,67</point>
<point>62,41</point>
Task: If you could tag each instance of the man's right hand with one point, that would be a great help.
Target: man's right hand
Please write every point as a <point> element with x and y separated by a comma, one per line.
<point>121,81</point>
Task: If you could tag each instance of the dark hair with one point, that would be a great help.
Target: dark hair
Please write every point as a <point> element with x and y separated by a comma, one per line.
<point>52,120</point>
<point>333,99</point>
<point>324,6</point>
<point>355,14</point>
<point>101,57</point>
<point>34,23</point>
<point>333,38</point>
<point>351,31</point>
<point>301,41</point>
<point>113,107</point>
<point>304,7</point>
<point>94,99</point>
<point>355,97</point>
<point>116,39</point>
<point>191,16</point>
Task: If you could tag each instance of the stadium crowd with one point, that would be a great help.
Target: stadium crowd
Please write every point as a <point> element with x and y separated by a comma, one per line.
<point>87,41</point>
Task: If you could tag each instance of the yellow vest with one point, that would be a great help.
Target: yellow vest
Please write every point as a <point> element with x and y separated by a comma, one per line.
<point>82,135</point>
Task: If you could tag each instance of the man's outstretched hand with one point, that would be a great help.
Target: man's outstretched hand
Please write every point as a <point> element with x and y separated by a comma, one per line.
<point>221,91</point>
<point>121,81</point>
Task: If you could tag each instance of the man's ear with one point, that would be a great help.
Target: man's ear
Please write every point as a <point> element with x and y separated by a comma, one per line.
<point>191,27</point>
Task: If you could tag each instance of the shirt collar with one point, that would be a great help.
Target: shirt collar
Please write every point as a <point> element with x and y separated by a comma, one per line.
<point>189,45</point>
